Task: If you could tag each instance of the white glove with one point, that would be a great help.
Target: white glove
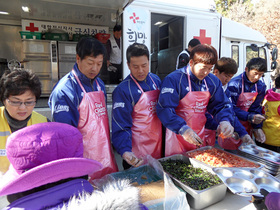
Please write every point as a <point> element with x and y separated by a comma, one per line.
<point>131,159</point>
<point>259,135</point>
<point>226,129</point>
<point>246,139</point>
<point>256,118</point>
<point>190,136</point>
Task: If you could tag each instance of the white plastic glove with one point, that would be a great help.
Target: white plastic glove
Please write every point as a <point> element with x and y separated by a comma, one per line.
<point>259,135</point>
<point>256,118</point>
<point>131,159</point>
<point>226,129</point>
<point>190,136</point>
<point>246,139</point>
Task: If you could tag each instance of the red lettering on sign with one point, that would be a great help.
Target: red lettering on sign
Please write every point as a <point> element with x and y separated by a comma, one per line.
<point>202,37</point>
<point>31,28</point>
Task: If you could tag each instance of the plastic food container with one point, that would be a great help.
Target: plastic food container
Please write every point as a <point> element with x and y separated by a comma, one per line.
<point>102,37</point>
<point>198,199</point>
<point>30,35</point>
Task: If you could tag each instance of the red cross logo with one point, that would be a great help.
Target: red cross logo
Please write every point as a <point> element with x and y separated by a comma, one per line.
<point>202,37</point>
<point>134,18</point>
<point>31,28</point>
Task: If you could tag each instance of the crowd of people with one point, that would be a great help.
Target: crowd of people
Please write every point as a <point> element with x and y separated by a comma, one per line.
<point>198,104</point>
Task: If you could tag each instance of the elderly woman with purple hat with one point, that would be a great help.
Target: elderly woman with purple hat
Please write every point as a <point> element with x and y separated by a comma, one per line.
<point>48,168</point>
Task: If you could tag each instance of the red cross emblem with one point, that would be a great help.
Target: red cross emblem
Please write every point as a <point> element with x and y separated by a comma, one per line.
<point>134,18</point>
<point>31,28</point>
<point>202,37</point>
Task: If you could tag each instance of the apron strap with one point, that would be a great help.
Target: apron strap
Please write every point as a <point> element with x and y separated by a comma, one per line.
<point>136,83</point>
<point>82,87</point>
<point>242,90</point>
<point>190,84</point>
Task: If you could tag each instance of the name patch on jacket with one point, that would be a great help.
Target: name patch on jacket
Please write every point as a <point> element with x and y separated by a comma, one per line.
<point>61,108</point>
<point>167,90</point>
<point>99,109</point>
<point>118,104</point>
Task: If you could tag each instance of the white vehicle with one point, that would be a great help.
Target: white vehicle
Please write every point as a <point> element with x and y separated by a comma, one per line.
<point>167,26</point>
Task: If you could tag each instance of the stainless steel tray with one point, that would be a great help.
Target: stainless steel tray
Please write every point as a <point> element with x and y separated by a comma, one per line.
<point>268,158</point>
<point>198,199</point>
<point>261,153</point>
<point>259,165</point>
<point>247,182</point>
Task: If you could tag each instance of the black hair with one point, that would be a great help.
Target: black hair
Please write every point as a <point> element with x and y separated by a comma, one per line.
<point>194,42</point>
<point>226,65</point>
<point>136,50</point>
<point>277,82</point>
<point>88,46</point>
<point>117,28</point>
<point>17,82</point>
<point>258,64</point>
<point>204,53</point>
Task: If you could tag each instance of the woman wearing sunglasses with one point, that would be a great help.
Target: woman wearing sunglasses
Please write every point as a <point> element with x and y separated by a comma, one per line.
<point>19,91</point>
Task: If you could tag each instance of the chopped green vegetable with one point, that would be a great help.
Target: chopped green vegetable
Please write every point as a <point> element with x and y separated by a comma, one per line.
<point>195,178</point>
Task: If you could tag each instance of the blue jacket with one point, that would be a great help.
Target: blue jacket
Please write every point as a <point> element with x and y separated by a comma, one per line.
<point>175,86</point>
<point>67,96</point>
<point>213,125</point>
<point>234,90</point>
<point>125,96</point>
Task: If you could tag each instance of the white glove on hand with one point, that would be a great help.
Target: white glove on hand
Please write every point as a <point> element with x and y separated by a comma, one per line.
<point>131,159</point>
<point>259,135</point>
<point>256,118</point>
<point>190,136</point>
<point>246,139</point>
<point>226,129</point>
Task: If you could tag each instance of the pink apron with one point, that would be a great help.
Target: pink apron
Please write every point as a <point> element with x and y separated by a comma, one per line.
<point>192,109</point>
<point>244,102</point>
<point>146,128</point>
<point>210,137</point>
<point>94,126</point>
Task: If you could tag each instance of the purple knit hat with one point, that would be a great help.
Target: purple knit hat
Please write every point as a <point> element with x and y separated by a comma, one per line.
<point>44,153</point>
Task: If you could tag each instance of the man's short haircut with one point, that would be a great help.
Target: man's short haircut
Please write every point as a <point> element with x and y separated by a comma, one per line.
<point>136,50</point>
<point>258,64</point>
<point>194,42</point>
<point>277,82</point>
<point>117,28</point>
<point>88,46</point>
<point>204,53</point>
<point>226,65</point>
<point>17,82</point>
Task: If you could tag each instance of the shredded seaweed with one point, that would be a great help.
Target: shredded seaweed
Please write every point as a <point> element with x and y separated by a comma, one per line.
<point>196,178</point>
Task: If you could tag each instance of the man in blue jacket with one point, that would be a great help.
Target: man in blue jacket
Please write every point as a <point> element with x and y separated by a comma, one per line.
<point>79,99</point>
<point>136,129</point>
<point>225,69</point>
<point>186,95</point>
<point>247,92</point>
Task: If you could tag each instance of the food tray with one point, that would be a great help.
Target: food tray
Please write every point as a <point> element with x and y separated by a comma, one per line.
<point>232,156</point>
<point>198,199</point>
<point>269,158</point>
<point>247,182</point>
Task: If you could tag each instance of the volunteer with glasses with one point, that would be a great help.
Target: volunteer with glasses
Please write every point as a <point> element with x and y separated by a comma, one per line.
<point>19,91</point>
